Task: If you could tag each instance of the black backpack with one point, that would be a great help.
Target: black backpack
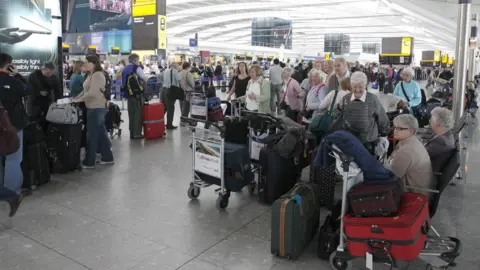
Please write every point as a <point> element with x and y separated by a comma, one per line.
<point>108,86</point>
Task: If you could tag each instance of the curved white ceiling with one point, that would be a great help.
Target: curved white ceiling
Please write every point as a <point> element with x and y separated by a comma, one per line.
<point>366,21</point>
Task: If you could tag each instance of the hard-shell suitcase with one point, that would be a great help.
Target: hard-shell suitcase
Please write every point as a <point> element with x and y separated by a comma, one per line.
<point>153,120</point>
<point>370,200</point>
<point>277,175</point>
<point>295,218</point>
<point>401,237</point>
<point>64,142</point>
<point>35,166</point>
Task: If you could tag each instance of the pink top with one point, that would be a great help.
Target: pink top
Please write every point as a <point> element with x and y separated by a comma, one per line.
<point>294,94</point>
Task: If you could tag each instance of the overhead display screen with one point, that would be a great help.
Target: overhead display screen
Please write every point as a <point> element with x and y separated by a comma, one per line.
<point>144,8</point>
<point>431,56</point>
<point>397,46</point>
<point>143,32</point>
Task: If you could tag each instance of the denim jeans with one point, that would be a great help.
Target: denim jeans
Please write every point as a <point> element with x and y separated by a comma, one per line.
<point>97,137</point>
<point>11,175</point>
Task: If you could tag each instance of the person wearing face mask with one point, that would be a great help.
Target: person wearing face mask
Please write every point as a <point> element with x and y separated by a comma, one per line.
<point>188,85</point>
<point>96,103</point>
<point>341,71</point>
<point>361,113</point>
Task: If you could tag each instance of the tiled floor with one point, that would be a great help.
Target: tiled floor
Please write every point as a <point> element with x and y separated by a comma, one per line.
<point>136,215</point>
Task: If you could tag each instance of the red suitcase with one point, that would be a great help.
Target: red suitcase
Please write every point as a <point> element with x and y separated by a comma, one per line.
<point>403,235</point>
<point>153,120</point>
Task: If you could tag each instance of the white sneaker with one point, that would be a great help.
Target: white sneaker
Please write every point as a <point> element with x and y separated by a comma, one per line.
<point>105,162</point>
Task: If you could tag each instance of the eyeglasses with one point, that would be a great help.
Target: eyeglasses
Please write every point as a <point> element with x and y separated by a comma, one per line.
<point>400,128</point>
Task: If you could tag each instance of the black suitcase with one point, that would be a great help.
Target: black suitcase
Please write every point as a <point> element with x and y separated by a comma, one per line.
<point>64,142</point>
<point>33,134</point>
<point>328,238</point>
<point>277,175</point>
<point>35,166</point>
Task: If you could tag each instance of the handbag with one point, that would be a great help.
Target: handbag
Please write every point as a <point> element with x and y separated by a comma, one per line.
<point>283,104</point>
<point>9,141</point>
<point>322,124</point>
<point>176,92</point>
<point>63,114</point>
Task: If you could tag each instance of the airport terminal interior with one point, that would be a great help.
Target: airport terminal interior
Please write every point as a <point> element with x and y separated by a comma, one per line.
<point>139,214</point>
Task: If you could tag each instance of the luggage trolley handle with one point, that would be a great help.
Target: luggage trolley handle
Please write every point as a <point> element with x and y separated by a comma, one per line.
<point>272,121</point>
<point>193,122</point>
<point>346,159</point>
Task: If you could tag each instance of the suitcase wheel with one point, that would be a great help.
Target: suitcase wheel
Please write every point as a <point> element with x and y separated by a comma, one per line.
<point>337,263</point>
<point>222,202</point>
<point>193,192</point>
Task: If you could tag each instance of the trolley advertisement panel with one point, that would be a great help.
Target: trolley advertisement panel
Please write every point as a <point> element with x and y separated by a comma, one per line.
<point>207,158</point>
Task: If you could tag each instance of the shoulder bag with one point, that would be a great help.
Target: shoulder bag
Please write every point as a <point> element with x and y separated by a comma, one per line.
<point>283,104</point>
<point>175,92</point>
<point>9,141</point>
<point>322,123</point>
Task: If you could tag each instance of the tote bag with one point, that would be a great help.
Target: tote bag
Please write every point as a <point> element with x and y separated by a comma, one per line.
<point>322,124</point>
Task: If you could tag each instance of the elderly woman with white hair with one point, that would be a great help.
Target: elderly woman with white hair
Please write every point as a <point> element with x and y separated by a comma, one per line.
<point>408,88</point>
<point>410,161</point>
<point>442,143</point>
<point>361,113</point>
<point>315,94</point>
<point>293,94</point>
<point>257,97</point>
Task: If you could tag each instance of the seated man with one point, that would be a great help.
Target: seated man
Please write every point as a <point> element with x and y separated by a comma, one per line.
<point>442,143</point>
<point>410,161</point>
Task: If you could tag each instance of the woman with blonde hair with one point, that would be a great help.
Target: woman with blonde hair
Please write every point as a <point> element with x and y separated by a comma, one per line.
<point>257,97</point>
<point>76,80</point>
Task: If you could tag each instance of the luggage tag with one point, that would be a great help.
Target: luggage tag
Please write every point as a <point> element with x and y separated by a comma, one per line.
<point>369,261</point>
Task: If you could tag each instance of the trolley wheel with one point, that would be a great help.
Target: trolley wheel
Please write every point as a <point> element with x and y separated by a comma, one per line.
<point>33,187</point>
<point>430,267</point>
<point>251,189</point>
<point>222,202</point>
<point>193,192</point>
<point>338,263</point>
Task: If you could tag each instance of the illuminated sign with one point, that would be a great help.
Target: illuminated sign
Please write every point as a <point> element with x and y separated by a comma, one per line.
<point>450,60</point>
<point>436,56</point>
<point>162,32</point>
<point>327,56</point>
<point>144,8</point>
<point>444,59</point>
<point>65,48</point>
<point>92,49</point>
<point>115,50</point>
<point>397,46</point>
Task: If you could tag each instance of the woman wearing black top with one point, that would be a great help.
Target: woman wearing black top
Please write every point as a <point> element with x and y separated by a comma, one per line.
<point>240,82</point>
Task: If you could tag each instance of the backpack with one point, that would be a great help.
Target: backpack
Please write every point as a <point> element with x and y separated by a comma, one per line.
<point>132,85</point>
<point>9,141</point>
<point>108,86</point>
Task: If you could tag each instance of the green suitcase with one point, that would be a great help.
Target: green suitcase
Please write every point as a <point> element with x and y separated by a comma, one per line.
<point>295,220</point>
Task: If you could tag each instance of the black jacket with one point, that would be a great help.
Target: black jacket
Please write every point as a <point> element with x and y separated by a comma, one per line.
<point>12,91</point>
<point>36,102</point>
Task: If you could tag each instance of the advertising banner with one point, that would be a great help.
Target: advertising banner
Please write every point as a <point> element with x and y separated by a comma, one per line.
<point>104,41</point>
<point>29,33</point>
<point>207,158</point>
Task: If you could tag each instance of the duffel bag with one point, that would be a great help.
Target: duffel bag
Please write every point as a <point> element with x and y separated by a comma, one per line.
<point>375,200</point>
<point>63,114</point>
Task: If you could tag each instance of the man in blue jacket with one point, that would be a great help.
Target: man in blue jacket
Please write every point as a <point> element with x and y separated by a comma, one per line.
<point>135,100</point>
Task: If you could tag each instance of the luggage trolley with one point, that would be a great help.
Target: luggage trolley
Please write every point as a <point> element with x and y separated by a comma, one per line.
<point>260,126</point>
<point>208,157</point>
<point>438,252</point>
